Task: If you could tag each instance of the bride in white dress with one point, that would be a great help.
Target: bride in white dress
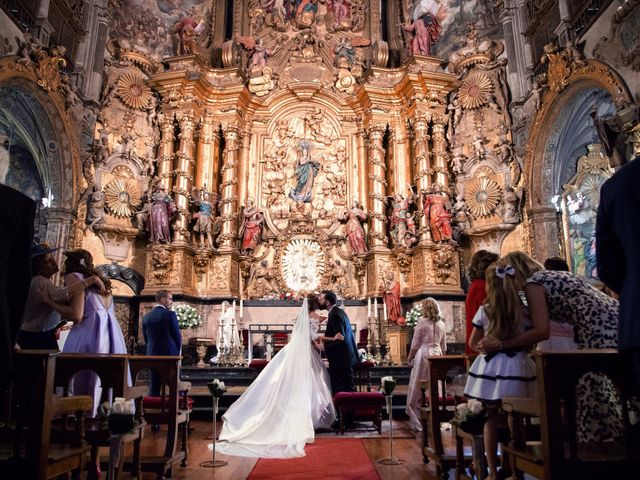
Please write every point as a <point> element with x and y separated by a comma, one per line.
<point>277,415</point>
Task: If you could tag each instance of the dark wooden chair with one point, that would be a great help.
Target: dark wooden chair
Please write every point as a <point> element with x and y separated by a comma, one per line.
<point>32,454</point>
<point>163,410</point>
<point>439,407</point>
<point>113,371</point>
<point>559,455</point>
<point>362,375</point>
<point>363,338</point>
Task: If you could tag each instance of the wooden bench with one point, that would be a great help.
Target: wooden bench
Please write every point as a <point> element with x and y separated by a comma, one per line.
<point>436,410</point>
<point>32,455</point>
<point>559,455</point>
<point>113,372</point>
<point>163,410</point>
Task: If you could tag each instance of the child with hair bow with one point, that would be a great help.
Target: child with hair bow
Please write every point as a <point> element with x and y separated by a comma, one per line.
<point>506,372</point>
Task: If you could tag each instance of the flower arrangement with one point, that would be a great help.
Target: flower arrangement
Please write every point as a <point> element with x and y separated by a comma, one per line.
<point>387,385</point>
<point>413,316</point>
<point>188,317</point>
<point>216,388</point>
<point>470,416</point>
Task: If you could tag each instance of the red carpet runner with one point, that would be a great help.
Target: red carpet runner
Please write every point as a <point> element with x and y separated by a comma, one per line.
<point>327,459</point>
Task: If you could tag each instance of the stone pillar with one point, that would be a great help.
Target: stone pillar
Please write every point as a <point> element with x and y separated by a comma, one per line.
<point>41,28</point>
<point>205,154</point>
<point>422,153</point>
<point>377,187</point>
<point>165,157</point>
<point>518,50</point>
<point>563,30</point>
<point>184,175</point>
<point>440,155</point>
<point>59,227</point>
<point>228,188</point>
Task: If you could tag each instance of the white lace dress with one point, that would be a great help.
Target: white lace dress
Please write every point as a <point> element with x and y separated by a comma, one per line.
<point>276,416</point>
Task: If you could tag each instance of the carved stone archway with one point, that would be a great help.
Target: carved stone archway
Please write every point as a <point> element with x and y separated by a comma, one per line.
<point>37,88</point>
<point>567,79</point>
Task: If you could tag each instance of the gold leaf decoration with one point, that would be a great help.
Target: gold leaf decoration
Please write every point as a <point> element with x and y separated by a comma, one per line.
<point>122,197</point>
<point>482,197</point>
<point>475,91</point>
<point>133,91</point>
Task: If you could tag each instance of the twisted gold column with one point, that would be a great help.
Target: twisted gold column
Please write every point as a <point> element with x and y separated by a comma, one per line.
<point>184,175</point>
<point>204,161</point>
<point>377,187</point>
<point>421,171</point>
<point>440,156</point>
<point>228,188</point>
<point>165,158</point>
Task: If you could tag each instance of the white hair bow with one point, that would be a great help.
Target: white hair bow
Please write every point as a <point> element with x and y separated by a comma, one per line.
<point>501,272</point>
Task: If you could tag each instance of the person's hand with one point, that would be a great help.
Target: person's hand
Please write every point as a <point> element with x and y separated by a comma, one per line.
<point>95,280</point>
<point>338,336</point>
<point>489,344</point>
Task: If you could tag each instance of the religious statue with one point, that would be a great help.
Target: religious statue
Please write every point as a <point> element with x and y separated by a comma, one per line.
<point>304,12</point>
<point>187,30</point>
<point>344,49</point>
<point>162,210</point>
<point>478,146</point>
<point>353,228</point>
<point>510,202</point>
<point>261,282</point>
<point>338,278</point>
<point>435,207</point>
<point>142,216</point>
<point>96,214</point>
<point>426,26</point>
<point>403,227</point>
<point>251,229</point>
<point>391,297</point>
<point>306,171</point>
<point>101,151</point>
<point>461,221</point>
<point>259,56</point>
<point>536,96</point>
<point>204,217</point>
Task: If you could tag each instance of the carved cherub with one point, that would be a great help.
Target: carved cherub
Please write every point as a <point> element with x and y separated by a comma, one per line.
<point>96,214</point>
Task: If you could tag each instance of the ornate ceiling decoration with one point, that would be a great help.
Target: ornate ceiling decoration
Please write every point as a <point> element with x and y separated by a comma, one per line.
<point>475,91</point>
<point>122,197</point>
<point>482,197</point>
<point>133,91</point>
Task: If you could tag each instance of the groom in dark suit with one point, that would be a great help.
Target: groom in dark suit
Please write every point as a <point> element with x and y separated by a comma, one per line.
<point>342,354</point>
<point>161,334</point>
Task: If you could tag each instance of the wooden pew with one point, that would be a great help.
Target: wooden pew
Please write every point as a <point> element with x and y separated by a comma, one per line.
<point>438,410</point>
<point>33,454</point>
<point>559,455</point>
<point>113,371</point>
<point>163,410</point>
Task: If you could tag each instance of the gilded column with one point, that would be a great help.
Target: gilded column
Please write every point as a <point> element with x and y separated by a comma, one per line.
<point>377,187</point>
<point>205,156</point>
<point>228,187</point>
<point>184,175</point>
<point>422,160</point>
<point>166,150</point>
<point>402,157</point>
<point>439,157</point>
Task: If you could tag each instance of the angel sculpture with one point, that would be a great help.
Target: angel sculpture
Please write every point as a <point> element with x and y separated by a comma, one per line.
<point>259,53</point>
<point>96,214</point>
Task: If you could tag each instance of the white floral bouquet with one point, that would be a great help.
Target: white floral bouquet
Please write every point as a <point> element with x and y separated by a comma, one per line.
<point>387,385</point>
<point>188,317</point>
<point>470,416</point>
<point>413,316</point>
<point>216,388</point>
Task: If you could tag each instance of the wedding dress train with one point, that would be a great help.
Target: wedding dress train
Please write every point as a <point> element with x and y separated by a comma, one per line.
<point>276,416</point>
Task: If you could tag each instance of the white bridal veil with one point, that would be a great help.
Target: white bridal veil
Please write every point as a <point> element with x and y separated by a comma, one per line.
<point>276,415</point>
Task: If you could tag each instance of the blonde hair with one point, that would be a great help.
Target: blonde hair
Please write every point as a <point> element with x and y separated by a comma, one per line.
<point>524,265</point>
<point>431,309</point>
<point>502,305</point>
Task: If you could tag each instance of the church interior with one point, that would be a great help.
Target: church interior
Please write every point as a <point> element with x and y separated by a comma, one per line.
<point>235,157</point>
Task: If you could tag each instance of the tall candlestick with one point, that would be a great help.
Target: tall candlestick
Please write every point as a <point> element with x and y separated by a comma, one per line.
<point>368,307</point>
<point>234,309</point>
<point>385,311</point>
<point>375,307</point>
<point>241,305</point>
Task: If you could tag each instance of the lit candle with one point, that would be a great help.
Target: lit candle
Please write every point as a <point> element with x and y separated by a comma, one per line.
<point>234,309</point>
<point>369,307</point>
<point>375,307</point>
<point>241,305</point>
<point>384,311</point>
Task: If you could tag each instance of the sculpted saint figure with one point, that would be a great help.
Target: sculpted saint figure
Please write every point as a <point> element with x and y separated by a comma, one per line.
<point>162,210</point>
<point>306,171</point>
<point>403,227</point>
<point>355,233</point>
<point>251,229</point>
<point>391,297</point>
<point>435,208</point>
<point>204,219</point>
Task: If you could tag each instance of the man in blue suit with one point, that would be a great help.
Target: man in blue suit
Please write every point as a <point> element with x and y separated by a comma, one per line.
<point>342,354</point>
<point>161,334</point>
<point>618,254</point>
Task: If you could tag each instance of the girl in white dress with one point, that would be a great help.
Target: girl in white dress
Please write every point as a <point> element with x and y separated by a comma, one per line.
<point>505,372</point>
<point>277,415</point>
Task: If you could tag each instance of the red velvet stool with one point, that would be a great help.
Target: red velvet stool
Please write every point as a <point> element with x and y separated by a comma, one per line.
<point>363,406</point>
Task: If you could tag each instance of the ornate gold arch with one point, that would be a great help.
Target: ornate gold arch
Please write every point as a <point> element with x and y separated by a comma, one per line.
<point>565,81</point>
<point>42,79</point>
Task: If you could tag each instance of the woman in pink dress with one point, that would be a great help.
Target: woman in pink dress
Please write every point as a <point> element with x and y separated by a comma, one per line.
<point>429,339</point>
